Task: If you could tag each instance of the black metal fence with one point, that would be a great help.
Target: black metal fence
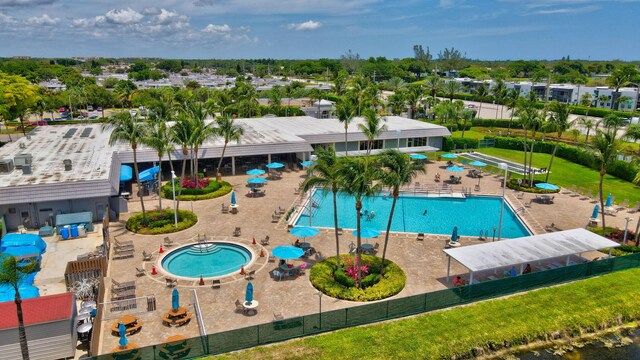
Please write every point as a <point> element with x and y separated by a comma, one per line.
<point>336,319</point>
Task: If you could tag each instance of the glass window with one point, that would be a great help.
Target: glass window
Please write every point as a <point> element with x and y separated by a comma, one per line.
<point>413,142</point>
<point>376,144</point>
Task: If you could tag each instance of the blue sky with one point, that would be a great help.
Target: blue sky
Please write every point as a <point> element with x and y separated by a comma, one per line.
<point>299,29</point>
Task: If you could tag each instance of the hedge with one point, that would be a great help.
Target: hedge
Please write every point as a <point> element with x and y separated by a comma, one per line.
<point>448,142</point>
<point>213,190</point>
<point>329,279</point>
<point>499,123</point>
<point>513,184</point>
<point>582,156</point>
<point>161,222</point>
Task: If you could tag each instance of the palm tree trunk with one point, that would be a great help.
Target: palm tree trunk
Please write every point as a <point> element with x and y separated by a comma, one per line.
<point>386,236</point>
<point>356,261</point>
<point>184,168</point>
<point>159,181</point>
<point>555,148</point>
<point>135,165</point>
<point>346,148</point>
<point>586,140</point>
<point>480,109</point>
<point>335,224</point>
<point>22,335</point>
<point>509,125</point>
<point>533,142</point>
<point>195,165</point>
<point>604,226</point>
<point>464,126</point>
<point>224,148</point>
<point>526,147</point>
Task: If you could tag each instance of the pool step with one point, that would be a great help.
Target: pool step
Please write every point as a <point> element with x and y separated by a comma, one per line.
<point>204,248</point>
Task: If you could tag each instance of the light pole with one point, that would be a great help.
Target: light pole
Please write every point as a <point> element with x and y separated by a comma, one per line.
<point>173,187</point>
<point>398,139</point>
<point>320,309</point>
<point>626,230</point>
<point>505,167</point>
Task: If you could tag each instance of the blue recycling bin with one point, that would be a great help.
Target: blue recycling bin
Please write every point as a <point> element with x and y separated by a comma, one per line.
<point>74,231</point>
<point>64,232</point>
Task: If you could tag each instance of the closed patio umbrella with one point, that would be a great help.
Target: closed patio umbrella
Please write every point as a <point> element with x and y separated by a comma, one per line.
<point>609,200</point>
<point>596,211</point>
<point>248,296</point>
<point>233,198</point>
<point>454,235</point>
<point>175,299</point>
<point>122,331</point>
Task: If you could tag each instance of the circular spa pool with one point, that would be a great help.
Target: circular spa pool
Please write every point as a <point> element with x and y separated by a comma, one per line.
<point>207,259</point>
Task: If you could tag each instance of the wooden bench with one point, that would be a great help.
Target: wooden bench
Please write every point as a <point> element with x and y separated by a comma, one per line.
<point>183,320</point>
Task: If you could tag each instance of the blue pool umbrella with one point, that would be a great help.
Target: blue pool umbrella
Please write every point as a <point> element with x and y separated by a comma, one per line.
<point>248,296</point>
<point>275,165</point>
<point>418,156</point>
<point>609,201</point>
<point>123,335</point>
<point>126,173</point>
<point>477,163</point>
<point>454,235</point>
<point>367,233</point>
<point>257,181</point>
<point>547,186</point>
<point>175,299</point>
<point>307,163</point>
<point>304,231</point>
<point>148,174</point>
<point>255,172</point>
<point>455,168</point>
<point>449,156</point>
<point>233,198</point>
<point>596,211</point>
<point>287,252</point>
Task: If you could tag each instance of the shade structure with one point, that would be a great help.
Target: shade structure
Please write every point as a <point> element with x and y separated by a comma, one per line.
<point>547,186</point>
<point>257,180</point>
<point>455,168</point>
<point>477,163</point>
<point>126,173</point>
<point>287,252</point>
<point>275,165</point>
<point>122,330</point>
<point>609,201</point>
<point>255,172</point>
<point>418,156</point>
<point>175,299</point>
<point>596,211</point>
<point>367,233</point>
<point>454,234</point>
<point>248,295</point>
<point>449,156</point>
<point>233,198</point>
<point>148,174</point>
<point>304,231</point>
<point>307,163</point>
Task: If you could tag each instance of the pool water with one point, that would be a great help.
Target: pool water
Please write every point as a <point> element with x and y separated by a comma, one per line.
<point>207,259</point>
<point>471,215</point>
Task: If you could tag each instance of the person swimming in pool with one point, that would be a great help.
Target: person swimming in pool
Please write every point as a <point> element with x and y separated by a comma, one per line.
<point>425,212</point>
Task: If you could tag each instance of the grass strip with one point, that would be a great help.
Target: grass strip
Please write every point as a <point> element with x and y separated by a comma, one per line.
<point>568,309</point>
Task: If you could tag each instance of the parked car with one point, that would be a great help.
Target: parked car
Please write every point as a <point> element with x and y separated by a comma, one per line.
<point>99,108</point>
<point>37,123</point>
<point>61,110</point>
<point>89,108</point>
<point>47,119</point>
<point>80,117</point>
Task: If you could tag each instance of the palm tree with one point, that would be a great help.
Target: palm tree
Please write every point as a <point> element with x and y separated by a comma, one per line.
<point>357,177</point>
<point>371,127</point>
<point>397,170</point>
<point>157,136</point>
<point>11,274</point>
<point>275,100</point>
<point>499,92</point>
<point>412,98</point>
<point>325,175</point>
<point>588,124</point>
<point>605,146</point>
<point>451,88</point>
<point>481,93</point>
<point>529,117</point>
<point>433,85</point>
<point>201,131</point>
<point>229,131</point>
<point>559,118</point>
<point>127,128</point>
<point>181,135</point>
<point>345,112</point>
<point>511,101</point>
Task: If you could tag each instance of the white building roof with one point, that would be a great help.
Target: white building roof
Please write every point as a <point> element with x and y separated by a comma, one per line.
<point>528,249</point>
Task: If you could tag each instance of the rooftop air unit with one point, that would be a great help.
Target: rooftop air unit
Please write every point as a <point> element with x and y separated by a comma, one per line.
<point>26,169</point>
<point>67,164</point>
<point>22,159</point>
<point>6,166</point>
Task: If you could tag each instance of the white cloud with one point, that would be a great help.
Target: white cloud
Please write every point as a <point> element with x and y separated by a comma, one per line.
<point>123,16</point>
<point>167,17</point>
<point>304,26</point>
<point>24,3</point>
<point>218,29</point>
<point>567,10</point>
<point>6,19</point>
<point>43,20</point>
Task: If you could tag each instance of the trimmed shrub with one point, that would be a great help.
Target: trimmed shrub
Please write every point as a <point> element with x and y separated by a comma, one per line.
<point>213,190</point>
<point>513,184</point>
<point>161,222</point>
<point>327,277</point>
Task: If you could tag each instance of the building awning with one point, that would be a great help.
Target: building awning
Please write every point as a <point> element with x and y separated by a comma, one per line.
<point>405,150</point>
<point>528,249</point>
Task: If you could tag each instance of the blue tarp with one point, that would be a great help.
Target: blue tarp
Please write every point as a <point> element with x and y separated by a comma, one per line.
<point>126,173</point>
<point>26,292</point>
<point>20,250</point>
<point>14,240</point>
<point>148,175</point>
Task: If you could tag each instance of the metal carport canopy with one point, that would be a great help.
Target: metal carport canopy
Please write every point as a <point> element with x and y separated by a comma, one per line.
<point>528,249</point>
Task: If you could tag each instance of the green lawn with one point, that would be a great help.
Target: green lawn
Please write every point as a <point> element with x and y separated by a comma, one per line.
<point>566,173</point>
<point>469,134</point>
<point>444,334</point>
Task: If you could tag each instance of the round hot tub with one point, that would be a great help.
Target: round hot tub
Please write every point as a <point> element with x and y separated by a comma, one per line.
<point>210,259</point>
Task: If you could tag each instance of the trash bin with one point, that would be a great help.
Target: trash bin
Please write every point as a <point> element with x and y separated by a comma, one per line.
<point>82,231</point>
<point>74,231</point>
<point>64,232</point>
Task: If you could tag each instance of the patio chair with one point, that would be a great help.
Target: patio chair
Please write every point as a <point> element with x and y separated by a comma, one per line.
<point>281,210</point>
<point>420,237</point>
<point>277,316</point>
<point>240,307</point>
<point>275,218</point>
<point>236,232</point>
<point>623,206</point>
<point>296,191</point>
<point>340,231</point>
<point>635,208</point>
<point>171,282</point>
<point>146,256</point>
<point>122,244</point>
<point>376,247</point>
<point>265,241</point>
<point>225,209</point>
<point>140,272</point>
<point>215,284</point>
<point>249,275</point>
<point>125,285</point>
<point>168,241</point>
<point>278,274</point>
<point>272,258</point>
<point>124,295</point>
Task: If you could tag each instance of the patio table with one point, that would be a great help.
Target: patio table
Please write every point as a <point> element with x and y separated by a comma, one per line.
<point>251,306</point>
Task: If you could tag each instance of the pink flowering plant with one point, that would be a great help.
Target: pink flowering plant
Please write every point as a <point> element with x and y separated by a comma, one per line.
<point>352,270</point>
<point>191,184</point>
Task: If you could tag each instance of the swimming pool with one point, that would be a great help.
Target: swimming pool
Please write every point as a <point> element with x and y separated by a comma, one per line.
<point>209,259</point>
<point>470,215</point>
